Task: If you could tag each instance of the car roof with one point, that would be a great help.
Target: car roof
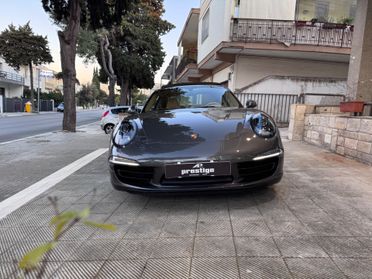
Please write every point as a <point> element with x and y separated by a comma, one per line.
<point>191,84</point>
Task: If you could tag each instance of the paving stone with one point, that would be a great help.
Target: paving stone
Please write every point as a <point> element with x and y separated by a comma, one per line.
<point>79,232</point>
<point>214,228</point>
<point>178,229</point>
<point>263,268</point>
<point>256,228</point>
<point>173,247</point>
<point>214,247</point>
<point>344,247</point>
<point>78,270</point>
<point>216,268</point>
<point>250,213</point>
<point>183,215</point>
<point>256,247</point>
<point>322,268</point>
<point>299,247</point>
<point>213,214</point>
<point>7,270</point>
<point>126,269</point>
<point>167,268</point>
<point>327,228</point>
<point>94,250</point>
<point>355,268</point>
<point>134,249</point>
<point>145,230</point>
<point>287,228</point>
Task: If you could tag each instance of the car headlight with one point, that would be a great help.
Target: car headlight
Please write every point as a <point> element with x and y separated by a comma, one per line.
<point>125,133</point>
<point>262,125</point>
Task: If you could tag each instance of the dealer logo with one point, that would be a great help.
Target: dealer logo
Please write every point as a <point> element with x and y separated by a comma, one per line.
<point>198,169</point>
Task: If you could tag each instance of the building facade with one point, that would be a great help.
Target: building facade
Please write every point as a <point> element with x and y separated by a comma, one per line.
<point>13,83</point>
<point>291,46</point>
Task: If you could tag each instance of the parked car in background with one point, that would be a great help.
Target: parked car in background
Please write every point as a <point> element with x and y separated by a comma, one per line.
<point>110,117</point>
<point>61,107</point>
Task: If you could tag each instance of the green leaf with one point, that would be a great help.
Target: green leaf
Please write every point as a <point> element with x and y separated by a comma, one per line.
<point>108,227</point>
<point>85,213</point>
<point>32,258</point>
<point>59,228</point>
<point>64,216</point>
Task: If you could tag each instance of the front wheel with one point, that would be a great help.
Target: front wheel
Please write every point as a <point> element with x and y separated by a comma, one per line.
<point>108,128</point>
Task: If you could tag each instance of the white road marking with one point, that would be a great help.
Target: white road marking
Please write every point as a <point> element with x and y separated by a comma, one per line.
<point>45,134</point>
<point>21,198</point>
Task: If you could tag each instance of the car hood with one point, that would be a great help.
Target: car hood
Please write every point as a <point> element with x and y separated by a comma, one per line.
<point>213,133</point>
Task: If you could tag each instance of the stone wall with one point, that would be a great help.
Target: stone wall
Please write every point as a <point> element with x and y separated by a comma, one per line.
<point>345,135</point>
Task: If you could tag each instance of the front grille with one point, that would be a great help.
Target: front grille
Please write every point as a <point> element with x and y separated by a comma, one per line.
<point>256,170</point>
<point>196,181</point>
<point>134,175</point>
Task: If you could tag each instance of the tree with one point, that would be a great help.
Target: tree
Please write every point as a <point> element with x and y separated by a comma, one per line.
<point>85,96</point>
<point>129,54</point>
<point>138,97</point>
<point>69,15</point>
<point>21,47</point>
<point>137,51</point>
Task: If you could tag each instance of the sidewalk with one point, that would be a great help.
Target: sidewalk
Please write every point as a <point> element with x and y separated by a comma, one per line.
<point>25,162</point>
<point>17,114</point>
<point>316,223</point>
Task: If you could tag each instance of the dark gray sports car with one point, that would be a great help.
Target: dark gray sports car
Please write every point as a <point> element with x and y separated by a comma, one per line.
<point>195,137</point>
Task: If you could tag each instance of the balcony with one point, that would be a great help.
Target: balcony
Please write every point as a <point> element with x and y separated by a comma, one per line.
<point>11,78</point>
<point>187,70</point>
<point>291,33</point>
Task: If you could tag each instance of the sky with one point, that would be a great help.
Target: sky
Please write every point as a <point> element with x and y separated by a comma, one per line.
<point>20,12</point>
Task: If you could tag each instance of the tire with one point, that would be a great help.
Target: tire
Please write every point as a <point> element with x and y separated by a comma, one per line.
<point>108,128</point>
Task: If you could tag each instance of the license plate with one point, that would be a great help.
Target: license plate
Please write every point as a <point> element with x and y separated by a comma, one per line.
<point>198,169</point>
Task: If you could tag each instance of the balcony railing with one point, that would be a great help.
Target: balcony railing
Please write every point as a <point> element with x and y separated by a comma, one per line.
<point>292,32</point>
<point>183,63</point>
<point>11,77</point>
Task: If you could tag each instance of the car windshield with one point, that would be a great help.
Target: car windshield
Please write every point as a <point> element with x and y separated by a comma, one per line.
<point>191,97</point>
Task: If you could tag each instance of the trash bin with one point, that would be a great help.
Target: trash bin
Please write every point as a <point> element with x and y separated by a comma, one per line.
<point>28,107</point>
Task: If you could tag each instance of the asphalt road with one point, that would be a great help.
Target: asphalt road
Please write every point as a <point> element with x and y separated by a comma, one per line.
<point>16,127</point>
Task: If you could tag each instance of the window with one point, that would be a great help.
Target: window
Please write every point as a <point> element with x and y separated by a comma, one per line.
<point>205,26</point>
<point>334,11</point>
<point>191,97</point>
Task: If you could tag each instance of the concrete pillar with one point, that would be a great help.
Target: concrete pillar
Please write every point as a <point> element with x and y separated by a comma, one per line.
<point>360,69</point>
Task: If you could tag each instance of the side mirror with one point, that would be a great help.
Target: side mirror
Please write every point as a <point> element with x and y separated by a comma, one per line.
<point>251,104</point>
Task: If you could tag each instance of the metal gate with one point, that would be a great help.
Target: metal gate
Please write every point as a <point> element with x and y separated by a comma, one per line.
<point>276,105</point>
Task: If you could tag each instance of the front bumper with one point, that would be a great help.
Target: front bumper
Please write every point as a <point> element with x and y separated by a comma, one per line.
<point>244,175</point>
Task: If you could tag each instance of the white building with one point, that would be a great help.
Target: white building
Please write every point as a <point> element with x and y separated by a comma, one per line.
<point>297,46</point>
<point>13,82</point>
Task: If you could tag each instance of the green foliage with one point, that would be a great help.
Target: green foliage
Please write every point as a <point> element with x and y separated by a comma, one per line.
<point>136,48</point>
<point>102,97</point>
<point>88,45</point>
<point>107,227</point>
<point>94,13</point>
<point>86,96</point>
<point>138,97</point>
<point>20,46</point>
<point>32,259</point>
<point>62,222</point>
<point>55,95</point>
<point>135,45</point>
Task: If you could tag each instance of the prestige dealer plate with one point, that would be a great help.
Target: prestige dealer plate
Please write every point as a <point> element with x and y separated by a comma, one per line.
<point>198,169</point>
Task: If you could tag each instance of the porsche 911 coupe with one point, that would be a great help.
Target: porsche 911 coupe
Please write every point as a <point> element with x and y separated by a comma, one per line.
<point>195,137</point>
